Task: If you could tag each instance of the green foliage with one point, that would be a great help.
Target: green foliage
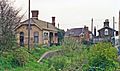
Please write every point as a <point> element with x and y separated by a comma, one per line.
<point>38,51</point>
<point>9,19</point>
<point>60,36</point>
<point>6,61</point>
<point>32,64</point>
<point>20,57</point>
<point>76,57</point>
<point>71,59</point>
<point>58,63</point>
<point>102,57</point>
<point>71,45</point>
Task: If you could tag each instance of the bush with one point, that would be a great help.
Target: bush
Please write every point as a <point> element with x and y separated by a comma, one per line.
<point>21,57</point>
<point>56,63</point>
<point>70,45</point>
<point>101,57</point>
<point>6,61</point>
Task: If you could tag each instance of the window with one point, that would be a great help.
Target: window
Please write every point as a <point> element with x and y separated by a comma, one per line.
<point>21,38</point>
<point>82,35</point>
<point>56,34</point>
<point>106,31</point>
<point>71,33</point>
<point>36,37</point>
<point>45,36</point>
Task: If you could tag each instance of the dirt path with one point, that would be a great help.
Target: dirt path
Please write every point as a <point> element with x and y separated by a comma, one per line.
<point>50,54</point>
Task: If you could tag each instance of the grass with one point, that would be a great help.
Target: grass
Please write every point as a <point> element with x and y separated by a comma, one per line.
<point>34,55</point>
<point>38,52</point>
<point>32,66</point>
<point>72,60</point>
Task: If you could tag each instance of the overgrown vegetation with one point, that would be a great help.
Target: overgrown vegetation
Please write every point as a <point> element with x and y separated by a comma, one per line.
<point>60,36</point>
<point>78,57</point>
<point>21,60</point>
<point>9,19</point>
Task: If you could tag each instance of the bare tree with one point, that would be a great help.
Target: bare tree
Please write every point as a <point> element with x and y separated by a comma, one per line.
<point>9,19</point>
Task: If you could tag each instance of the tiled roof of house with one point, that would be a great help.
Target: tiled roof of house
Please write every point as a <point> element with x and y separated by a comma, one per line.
<point>74,32</point>
<point>43,25</point>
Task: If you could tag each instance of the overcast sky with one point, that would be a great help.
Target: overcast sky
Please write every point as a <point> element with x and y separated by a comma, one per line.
<point>74,13</point>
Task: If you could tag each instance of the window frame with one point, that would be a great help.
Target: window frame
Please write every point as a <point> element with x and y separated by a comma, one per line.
<point>106,31</point>
<point>36,37</point>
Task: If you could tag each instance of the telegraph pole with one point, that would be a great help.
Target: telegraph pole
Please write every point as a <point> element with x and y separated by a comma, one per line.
<point>29,27</point>
<point>119,28</point>
<point>92,25</point>
<point>113,24</point>
<point>113,31</point>
<point>92,29</point>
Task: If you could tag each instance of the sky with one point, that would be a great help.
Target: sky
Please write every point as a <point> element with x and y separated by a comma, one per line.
<point>74,13</point>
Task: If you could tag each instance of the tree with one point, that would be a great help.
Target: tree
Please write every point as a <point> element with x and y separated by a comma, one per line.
<point>9,19</point>
<point>60,36</point>
<point>102,57</point>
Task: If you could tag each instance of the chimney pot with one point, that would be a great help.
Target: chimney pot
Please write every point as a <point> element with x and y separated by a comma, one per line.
<point>85,27</point>
<point>106,23</point>
<point>53,21</point>
<point>35,14</point>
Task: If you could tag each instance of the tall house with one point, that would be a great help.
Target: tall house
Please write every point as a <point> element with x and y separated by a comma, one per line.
<point>106,33</point>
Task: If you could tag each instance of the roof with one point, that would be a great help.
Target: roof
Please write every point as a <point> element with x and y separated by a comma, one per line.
<point>106,28</point>
<point>74,32</point>
<point>43,25</point>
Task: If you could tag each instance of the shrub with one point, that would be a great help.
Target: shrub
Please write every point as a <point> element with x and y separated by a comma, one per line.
<point>6,61</point>
<point>57,63</point>
<point>102,57</point>
<point>70,45</point>
<point>21,57</point>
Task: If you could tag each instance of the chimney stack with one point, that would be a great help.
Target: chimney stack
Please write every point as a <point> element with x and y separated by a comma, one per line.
<point>106,23</point>
<point>35,14</point>
<point>53,21</point>
<point>85,28</point>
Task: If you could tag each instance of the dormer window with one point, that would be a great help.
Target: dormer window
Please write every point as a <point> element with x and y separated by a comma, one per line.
<point>106,32</point>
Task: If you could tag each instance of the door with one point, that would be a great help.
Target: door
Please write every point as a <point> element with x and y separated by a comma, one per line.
<point>51,38</point>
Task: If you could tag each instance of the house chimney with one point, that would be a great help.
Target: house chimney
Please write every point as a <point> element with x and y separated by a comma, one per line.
<point>85,28</point>
<point>35,14</point>
<point>53,21</point>
<point>106,23</point>
<point>95,31</point>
